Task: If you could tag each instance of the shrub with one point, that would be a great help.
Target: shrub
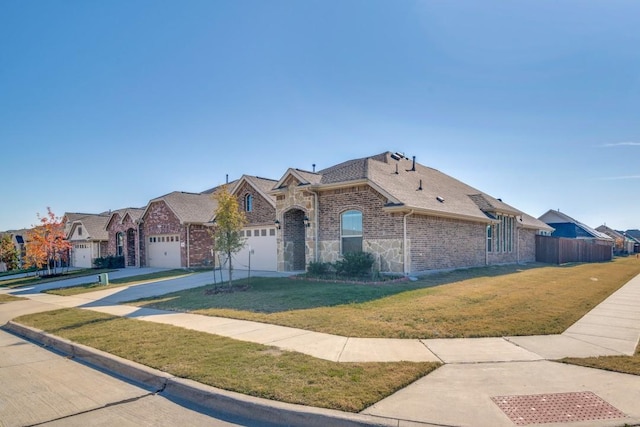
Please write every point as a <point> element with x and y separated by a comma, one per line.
<point>109,262</point>
<point>316,268</point>
<point>354,264</point>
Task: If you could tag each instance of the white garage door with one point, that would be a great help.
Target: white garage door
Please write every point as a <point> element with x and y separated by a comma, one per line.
<point>260,245</point>
<point>82,255</point>
<point>163,251</point>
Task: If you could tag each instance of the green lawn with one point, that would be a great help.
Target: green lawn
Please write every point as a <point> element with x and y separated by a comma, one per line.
<point>117,283</point>
<point>12,283</point>
<point>239,366</point>
<point>479,302</point>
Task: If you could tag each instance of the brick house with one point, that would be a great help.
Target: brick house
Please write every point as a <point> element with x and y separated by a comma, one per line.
<point>259,207</point>
<point>567,227</point>
<point>88,238</point>
<point>123,231</point>
<point>173,231</point>
<point>410,217</point>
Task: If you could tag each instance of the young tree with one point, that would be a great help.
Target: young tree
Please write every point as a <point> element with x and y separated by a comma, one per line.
<point>8,252</point>
<point>229,220</point>
<point>47,244</point>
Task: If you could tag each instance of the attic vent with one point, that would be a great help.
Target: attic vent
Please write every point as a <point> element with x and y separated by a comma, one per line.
<point>397,156</point>
<point>440,199</point>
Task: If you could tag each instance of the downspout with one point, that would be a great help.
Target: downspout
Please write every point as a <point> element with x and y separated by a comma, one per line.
<point>404,241</point>
<point>486,243</point>
<point>188,264</point>
<point>317,226</point>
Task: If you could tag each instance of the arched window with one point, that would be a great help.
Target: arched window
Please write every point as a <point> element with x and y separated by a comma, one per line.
<point>351,231</point>
<point>119,244</point>
<point>248,203</point>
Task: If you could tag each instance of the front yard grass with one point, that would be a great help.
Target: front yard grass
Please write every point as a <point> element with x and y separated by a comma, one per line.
<point>247,368</point>
<point>19,282</point>
<point>117,283</point>
<point>478,302</point>
<point>9,298</point>
<point>623,364</point>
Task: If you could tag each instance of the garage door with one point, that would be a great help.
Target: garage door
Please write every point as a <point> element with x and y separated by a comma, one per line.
<point>163,251</point>
<point>260,245</point>
<point>82,255</point>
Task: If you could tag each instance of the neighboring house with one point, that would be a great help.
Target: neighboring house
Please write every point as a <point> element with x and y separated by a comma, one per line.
<point>174,231</point>
<point>634,236</point>
<point>621,243</point>
<point>567,227</point>
<point>88,238</point>
<point>123,231</point>
<point>259,207</point>
<point>412,218</point>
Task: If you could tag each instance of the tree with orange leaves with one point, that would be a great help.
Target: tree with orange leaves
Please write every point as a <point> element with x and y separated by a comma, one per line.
<point>46,244</point>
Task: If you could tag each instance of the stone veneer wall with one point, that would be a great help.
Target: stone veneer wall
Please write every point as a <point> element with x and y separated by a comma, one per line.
<point>294,198</point>
<point>443,243</point>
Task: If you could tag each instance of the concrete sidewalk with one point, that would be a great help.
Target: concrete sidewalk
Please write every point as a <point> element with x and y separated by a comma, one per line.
<point>476,370</point>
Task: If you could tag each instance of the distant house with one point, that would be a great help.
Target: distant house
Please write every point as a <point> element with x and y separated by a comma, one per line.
<point>88,238</point>
<point>412,218</point>
<point>565,226</point>
<point>634,236</point>
<point>19,238</point>
<point>622,244</point>
<point>123,235</point>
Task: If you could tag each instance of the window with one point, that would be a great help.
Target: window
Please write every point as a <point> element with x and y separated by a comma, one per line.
<point>263,232</point>
<point>500,236</point>
<point>272,232</point>
<point>119,244</point>
<point>79,231</point>
<point>256,233</point>
<point>351,231</point>
<point>248,203</point>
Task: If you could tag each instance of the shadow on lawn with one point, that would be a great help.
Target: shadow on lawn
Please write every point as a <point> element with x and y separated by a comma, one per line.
<point>272,295</point>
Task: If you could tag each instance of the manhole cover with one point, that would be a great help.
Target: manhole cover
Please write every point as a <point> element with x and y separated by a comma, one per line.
<point>556,408</point>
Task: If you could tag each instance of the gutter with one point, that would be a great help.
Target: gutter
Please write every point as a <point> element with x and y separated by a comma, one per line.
<point>188,229</point>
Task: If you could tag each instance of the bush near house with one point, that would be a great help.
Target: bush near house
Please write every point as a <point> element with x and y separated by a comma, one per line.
<point>109,262</point>
<point>353,265</point>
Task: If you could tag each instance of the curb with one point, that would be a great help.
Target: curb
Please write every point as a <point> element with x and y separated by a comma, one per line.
<point>204,396</point>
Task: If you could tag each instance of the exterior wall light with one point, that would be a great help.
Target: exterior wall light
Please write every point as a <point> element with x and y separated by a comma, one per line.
<point>306,221</point>
<point>277,223</point>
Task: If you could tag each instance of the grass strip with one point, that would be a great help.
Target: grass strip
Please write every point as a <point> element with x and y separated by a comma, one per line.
<point>118,283</point>
<point>38,280</point>
<point>477,302</point>
<point>9,298</point>
<point>623,364</point>
<point>248,368</point>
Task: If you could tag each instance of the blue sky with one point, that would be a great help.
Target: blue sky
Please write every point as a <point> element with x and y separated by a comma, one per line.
<point>107,104</point>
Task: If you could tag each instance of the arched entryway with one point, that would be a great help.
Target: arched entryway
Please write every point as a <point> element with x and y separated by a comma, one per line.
<point>131,248</point>
<point>293,240</point>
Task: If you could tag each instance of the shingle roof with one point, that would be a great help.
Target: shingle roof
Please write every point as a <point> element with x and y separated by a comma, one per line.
<point>263,185</point>
<point>94,226</point>
<point>190,207</point>
<point>410,185</point>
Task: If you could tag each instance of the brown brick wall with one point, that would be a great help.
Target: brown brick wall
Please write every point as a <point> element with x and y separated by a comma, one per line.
<point>116,227</point>
<point>527,242</point>
<point>263,213</point>
<point>376,224</point>
<point>200,245</point>
<point>442,243</point>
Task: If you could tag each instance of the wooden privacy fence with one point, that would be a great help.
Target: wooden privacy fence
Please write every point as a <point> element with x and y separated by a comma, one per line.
<point>559,250</point>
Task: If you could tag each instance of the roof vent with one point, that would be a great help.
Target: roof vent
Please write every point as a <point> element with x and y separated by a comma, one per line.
<point>397,156</point>
<point>413,166</point>
<point>396,169</point>
<point>314,167</point>
<point>440,199</point>
<point>420,187</point>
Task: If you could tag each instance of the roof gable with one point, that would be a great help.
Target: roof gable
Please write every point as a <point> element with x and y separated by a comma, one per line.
<point>189,208</point>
